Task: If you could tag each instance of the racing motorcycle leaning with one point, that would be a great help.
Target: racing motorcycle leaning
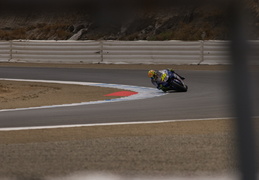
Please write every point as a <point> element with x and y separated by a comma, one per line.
<point>167,80</point>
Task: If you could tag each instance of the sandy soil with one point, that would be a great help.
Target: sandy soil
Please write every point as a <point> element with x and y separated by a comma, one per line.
<point>14,94</point>
<point>178,148</point>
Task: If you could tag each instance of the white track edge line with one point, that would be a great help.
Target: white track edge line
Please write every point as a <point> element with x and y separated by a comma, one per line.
<point>115,124</point>
<point>110,124</point>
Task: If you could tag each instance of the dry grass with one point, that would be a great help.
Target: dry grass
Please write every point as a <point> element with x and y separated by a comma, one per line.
<point>41,31</point>
<point>183,23</point>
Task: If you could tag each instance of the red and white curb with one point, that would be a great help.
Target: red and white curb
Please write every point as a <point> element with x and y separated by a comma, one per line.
<point>140,93</point>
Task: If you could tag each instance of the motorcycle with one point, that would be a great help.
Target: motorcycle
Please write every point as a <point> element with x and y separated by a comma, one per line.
<point>174,83</point>
<point>177,84</point>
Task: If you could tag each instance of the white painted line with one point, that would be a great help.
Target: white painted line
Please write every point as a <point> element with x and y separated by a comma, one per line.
<point>143,93</point>
<point>110,124</point>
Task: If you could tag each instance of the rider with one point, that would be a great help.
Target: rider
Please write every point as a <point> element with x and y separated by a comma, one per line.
<point>161,78</point>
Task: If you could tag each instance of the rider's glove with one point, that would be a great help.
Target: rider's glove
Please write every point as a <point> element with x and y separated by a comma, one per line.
<point>171,70</point>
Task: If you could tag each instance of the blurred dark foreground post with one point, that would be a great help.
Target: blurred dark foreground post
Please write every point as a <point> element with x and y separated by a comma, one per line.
<point>242,91</point>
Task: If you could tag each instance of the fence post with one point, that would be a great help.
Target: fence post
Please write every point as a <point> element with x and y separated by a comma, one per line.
<point>201,51</point>
<point>101,50</point>
<point>11,50</point>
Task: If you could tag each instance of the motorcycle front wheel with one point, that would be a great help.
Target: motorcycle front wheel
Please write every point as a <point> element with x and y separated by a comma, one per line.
<point>179,86</point>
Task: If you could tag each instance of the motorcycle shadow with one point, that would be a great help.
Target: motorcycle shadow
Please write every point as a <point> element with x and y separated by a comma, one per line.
<point>174,91</point>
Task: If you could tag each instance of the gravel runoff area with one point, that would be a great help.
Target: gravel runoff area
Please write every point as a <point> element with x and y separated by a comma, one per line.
<point>188,148</point>
<point>157,150</point>
<point>18,94</point>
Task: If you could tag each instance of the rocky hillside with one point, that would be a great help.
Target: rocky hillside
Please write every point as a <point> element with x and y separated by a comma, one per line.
<point>117,20</point>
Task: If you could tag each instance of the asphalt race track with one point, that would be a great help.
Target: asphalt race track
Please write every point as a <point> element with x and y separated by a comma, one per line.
<point>209,96</point>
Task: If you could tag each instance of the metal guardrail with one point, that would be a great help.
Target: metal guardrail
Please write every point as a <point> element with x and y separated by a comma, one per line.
<point>131,52</point>
<point>5,51</point>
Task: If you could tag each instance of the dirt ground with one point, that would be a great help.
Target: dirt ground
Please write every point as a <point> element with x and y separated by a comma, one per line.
<point>158,150</point>
<point>14,94</point>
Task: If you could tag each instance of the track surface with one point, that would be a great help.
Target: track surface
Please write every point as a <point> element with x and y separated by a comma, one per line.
<point>208,97</point>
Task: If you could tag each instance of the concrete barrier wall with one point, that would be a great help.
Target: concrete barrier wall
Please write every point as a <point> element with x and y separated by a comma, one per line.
<point>132,52</point>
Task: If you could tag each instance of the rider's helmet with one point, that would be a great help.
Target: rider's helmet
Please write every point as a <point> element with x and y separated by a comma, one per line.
<point>152,73</point>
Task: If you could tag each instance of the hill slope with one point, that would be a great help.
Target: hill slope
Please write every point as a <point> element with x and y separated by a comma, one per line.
<point>112,20</point>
